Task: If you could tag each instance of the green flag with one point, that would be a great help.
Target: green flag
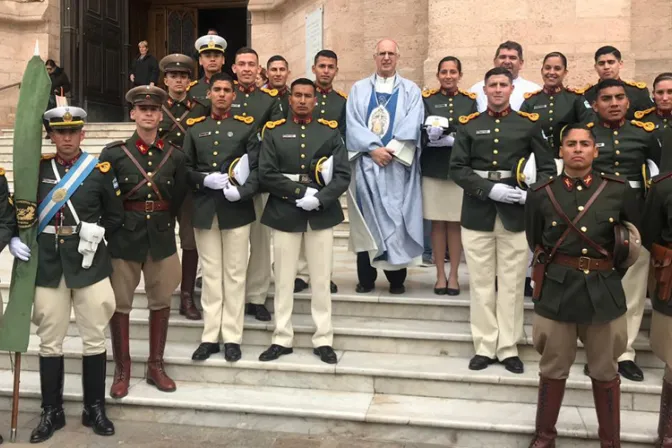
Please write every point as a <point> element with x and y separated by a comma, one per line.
<point>27,150</point>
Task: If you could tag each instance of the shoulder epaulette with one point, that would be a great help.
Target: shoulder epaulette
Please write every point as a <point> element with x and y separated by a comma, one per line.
<point>272,92</point>
<point>271,125</point>
<point>192,84</point>
<point>333,124</point>
<point>464,119</point>
<point>660,177</point>
<point>590,125</point>
<point>639,85</point>
<point>643,113</point>
<point>247,120</point>
<point>613,177</point>
<point>193,121</point>
<point>111,144</point>
<point>104,167</point>
<point>529,95</point>
<point>541,184</point>
<point>573,90</point>
<point>429,92</point>
<point>471,95</point>
<point>647,126</point>
<point>583,90</point>
<point>49,156</point>
<point>343,94</point>
<point>532,117</point>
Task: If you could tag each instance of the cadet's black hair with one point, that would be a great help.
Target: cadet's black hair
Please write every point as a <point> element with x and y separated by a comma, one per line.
<point>450,59</point>
<point>667,76</point>
<point>246,50</point>
<point>607,49</point>
<point>222,76</point>
<point>302,82</point>
<point>606,83</point>
<point>510,45</point>
<point>325,54</point>
<point>276,58</point>
<point>556,54</point>
<point>50,63</point>
<point>570,127</point>
<point>498,71</point>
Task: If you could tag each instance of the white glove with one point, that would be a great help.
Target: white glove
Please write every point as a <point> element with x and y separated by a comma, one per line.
<point>90,236</point>
<point>523,195</point>
<point>216,181</point>
<point>504,193</point>
<point>231,193</point>
<point>445,140</point>
<point>18,249</point>
<point>308,203</point>
<point>653,168</point>
<point>310,191</point>
<point>434,132</point>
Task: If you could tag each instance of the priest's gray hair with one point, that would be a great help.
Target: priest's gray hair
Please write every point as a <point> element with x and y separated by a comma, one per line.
<point>396,46</point>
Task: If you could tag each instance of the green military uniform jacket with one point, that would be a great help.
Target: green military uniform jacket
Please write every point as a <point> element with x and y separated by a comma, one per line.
<point>198,90</point>
<point>556,108</point>
<point>150,233</point>
<point>330,106</point>
<point>638,94</point>
<point>491,142</point>
<point>259,103</point>
<point>289,147</point>
<point>571,295</point>
<point>174,131</point>
<point>435,160</point>
<point>212,144</point>
<point>96,200</point>
<point>8,227</point>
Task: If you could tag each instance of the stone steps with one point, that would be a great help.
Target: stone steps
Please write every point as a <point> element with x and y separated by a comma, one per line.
<point>452,422</point>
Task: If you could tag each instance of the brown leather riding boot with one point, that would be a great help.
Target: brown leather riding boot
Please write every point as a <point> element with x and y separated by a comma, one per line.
<point>665,417</point>
<point>122,356</point>
<point>607,396</point>
<point>189,267</point>
<point>548,407</point>
<point>158,330</point>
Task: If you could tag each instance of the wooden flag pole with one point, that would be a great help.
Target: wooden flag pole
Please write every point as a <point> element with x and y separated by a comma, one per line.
<point>15,397</point>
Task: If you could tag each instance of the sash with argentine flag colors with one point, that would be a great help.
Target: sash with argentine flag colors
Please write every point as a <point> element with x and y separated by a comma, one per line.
<point>61,193</point>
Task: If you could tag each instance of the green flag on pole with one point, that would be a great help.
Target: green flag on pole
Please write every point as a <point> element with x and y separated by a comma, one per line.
<point>27,150</point>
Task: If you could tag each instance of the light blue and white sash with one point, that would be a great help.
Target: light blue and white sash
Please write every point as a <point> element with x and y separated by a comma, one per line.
<point>66,187</point>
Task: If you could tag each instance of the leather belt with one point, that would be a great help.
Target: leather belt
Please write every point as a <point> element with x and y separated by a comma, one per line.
<point>494,175</point>
<point>585,264</point>
<point>300,178</point>
<point>147,206</point>
<point>62,230</point>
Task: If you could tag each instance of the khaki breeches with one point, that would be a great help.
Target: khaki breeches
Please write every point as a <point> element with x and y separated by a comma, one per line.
<point>319,246</point>
<point>660,338</point>
<point>634,286</point>
<point>93,305</point>
<point>556,343</point>
<point>224,259</point>
<point>187,240</point>
<point>259,266</point>
<point>496,317</point>
<point>161,279</point>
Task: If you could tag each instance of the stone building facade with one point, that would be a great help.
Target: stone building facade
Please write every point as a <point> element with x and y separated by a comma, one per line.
<point>426,30</point>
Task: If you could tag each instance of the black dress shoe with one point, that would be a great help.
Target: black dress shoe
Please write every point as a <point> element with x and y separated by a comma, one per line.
<point>440,291</point>
<point>299,285</point>
<point>397,289</point>
<point>479,362</point>
<point>274,352</point>
<point>326,354</point>
<point>631,371</point>
<point>260,312</point>
<point>585,370</point>
<point>94,417</point>
<point>513,365</point>
<point>361,289</point>
<point>333,287</point>
<point>528,287</point>
<point>232,352</point>
<point>52,419</point>
<point>453,291</point>
<point>204,351</point>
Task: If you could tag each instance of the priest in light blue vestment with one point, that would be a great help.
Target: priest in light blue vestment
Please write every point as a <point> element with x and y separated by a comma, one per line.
<point>384,113</point>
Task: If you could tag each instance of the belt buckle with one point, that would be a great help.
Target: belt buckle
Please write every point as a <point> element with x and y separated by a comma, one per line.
<point>65,231</point>
<point>304,179</point>
<point>584,264</point>
<point>149,206</point>
<point>494,175</point>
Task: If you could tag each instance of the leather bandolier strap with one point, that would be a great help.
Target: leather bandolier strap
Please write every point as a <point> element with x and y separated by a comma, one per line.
<point>147,178</point>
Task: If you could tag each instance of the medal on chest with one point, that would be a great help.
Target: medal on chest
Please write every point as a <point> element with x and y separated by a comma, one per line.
<point>379,121</point>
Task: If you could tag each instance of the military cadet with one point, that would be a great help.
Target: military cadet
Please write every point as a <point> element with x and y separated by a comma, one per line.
<point>79,204</point>
<point>261,104</point>
<point>556,104</point>
<point>571,224</point>
<point>303,206</point>
<point>661,114</point>
<point>485,156</point>
<point>329,105</point>
<point>178,108</point>
<point>450,102</point>
<point>625,149</point>
<point>222,215</point>
<point>211,48</point>
<point>608,64</point>
<point>277,69</point>
<point>152,177</point>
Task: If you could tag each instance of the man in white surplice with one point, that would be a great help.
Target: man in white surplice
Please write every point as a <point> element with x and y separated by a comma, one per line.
<point>383,117</point>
